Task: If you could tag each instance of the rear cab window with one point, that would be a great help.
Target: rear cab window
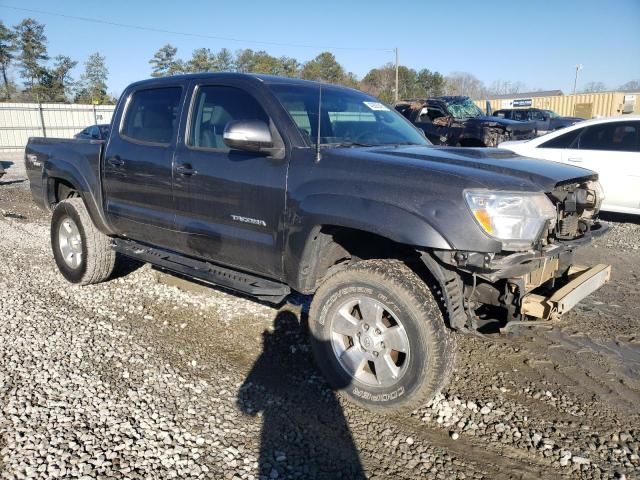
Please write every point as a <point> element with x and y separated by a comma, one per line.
<point>152,115</point>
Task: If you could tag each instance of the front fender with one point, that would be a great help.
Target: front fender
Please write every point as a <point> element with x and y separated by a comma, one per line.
<point>372,216</point>
<point>304,242</point>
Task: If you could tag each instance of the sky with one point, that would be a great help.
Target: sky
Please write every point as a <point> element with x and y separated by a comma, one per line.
<point>537,42</point>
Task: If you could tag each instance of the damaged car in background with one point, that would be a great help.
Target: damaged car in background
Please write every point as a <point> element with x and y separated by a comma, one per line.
<point>458,122</point>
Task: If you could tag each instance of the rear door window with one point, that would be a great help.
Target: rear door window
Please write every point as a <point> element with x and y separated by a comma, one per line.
<point>537,115</point>
<point>521,115</point>
<point>565,140</point>
<point>615,136</point>
<point>152,115</point>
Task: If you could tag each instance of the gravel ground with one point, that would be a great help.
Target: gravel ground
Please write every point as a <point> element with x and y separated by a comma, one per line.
<point>148,376</point>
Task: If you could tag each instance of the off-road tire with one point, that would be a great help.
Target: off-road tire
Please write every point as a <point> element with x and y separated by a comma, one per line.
<point>98,258</point>
<point>431,343</point>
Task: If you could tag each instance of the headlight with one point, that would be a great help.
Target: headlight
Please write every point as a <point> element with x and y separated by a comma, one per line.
<point>514,218</point>
<point>599,192</point>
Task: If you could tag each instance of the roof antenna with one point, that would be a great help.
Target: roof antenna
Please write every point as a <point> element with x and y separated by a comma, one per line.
<point>319,125</point>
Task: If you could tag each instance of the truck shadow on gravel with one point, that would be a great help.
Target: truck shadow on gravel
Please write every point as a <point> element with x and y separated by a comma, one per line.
<point>304,431</point>
<point>620,217</point>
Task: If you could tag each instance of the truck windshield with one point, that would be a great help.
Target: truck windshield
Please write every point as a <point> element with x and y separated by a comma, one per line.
<point>551,113</point>
<point>347,118</point>
<point>463,108</point>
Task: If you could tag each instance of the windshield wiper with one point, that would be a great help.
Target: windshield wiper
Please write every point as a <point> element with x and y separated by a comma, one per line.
<point>347,145</point>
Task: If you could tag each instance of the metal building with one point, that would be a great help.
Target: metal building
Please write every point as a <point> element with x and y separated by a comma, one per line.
<point>583,105</point>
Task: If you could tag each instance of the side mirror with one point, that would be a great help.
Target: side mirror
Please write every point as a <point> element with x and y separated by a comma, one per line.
<point>248,135</point>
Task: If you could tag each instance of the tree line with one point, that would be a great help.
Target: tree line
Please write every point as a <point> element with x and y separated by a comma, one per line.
<point>47,79</point>
<point>324,67</point>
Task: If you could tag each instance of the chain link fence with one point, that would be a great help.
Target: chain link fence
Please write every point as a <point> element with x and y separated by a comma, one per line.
<point>19,121</point>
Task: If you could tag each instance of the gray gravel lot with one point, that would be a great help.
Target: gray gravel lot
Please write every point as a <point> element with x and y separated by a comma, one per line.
<point>147,376</point>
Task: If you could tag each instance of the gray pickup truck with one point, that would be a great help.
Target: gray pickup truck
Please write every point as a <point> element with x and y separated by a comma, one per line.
<point>268,186</point>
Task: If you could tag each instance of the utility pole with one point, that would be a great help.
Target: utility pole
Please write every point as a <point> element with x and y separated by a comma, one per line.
<point>575,80</point>
<point>397,66</point>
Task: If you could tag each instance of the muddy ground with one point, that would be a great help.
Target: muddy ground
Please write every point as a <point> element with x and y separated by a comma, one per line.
<point>213,385</point>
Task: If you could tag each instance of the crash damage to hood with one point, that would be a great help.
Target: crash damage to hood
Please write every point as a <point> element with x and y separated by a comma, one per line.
<point>479,167</point>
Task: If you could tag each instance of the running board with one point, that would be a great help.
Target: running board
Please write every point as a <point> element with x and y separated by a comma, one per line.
<point>261,288</point>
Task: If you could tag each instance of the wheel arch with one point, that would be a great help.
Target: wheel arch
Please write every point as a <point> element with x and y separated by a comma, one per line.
<point>63,179</point>
<point>365,230</point>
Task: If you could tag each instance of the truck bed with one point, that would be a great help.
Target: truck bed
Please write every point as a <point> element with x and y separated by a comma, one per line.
<point>40,150</point>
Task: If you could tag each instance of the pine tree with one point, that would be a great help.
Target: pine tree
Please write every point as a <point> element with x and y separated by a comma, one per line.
<point>94,81</point>
<point>7,54</point>
<point>165,63</point>
<point>32,44</point>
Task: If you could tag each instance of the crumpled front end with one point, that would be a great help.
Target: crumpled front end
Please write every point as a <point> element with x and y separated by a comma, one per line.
<point>542,282</point>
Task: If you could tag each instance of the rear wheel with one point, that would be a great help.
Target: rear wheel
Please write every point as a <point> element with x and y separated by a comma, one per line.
<point>82,253</point>
<point>379,337</point>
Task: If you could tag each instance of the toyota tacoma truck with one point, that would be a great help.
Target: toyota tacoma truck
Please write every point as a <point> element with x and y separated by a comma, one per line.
<point>458,122</point>
<point>271,186</point>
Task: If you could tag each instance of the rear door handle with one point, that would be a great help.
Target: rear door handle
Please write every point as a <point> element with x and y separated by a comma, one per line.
<point>116,161</point>
<point>574,160</point>
<point>185,169</point>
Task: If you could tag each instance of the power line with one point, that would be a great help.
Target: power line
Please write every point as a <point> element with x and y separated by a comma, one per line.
<point>187,34</point>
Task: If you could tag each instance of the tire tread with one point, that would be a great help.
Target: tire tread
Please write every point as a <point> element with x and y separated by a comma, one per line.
<point>100,258</point>
<point>442,349</point>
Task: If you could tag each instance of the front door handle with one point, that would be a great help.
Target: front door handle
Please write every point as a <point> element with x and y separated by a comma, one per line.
<point>185,169</point>
<point>115,161</point>
<point>574,160</point>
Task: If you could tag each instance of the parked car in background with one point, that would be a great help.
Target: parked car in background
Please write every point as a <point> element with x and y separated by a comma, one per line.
<point>610,146</point>
<point>545,120</point>
<point>95,132</point>
<point>458,122</point>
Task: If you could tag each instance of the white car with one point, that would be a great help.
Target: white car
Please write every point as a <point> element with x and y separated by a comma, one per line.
<point>609,146</point>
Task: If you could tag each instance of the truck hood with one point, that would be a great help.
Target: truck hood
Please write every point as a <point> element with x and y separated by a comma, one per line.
<point>564,121</point>
<point>479,167</point>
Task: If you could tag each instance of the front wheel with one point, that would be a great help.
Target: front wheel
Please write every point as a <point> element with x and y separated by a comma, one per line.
<point>379,337</point>
<point>82,253</point>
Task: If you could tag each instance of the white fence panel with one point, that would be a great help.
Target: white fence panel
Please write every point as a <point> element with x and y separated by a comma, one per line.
<point>19,121</point>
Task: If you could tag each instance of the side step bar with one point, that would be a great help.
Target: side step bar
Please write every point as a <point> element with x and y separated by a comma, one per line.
<point>261,288</point>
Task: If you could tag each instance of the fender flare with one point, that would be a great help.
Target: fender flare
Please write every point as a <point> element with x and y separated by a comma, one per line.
<point>382,219</point>
<point>86,188</point>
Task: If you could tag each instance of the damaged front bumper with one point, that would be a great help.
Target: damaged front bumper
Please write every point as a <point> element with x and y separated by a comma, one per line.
<point>494,267</point>
<point>540,284</point>
<point>582,282</point>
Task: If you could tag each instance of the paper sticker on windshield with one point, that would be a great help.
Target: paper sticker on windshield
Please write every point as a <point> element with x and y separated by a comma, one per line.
<point>377,106</point>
